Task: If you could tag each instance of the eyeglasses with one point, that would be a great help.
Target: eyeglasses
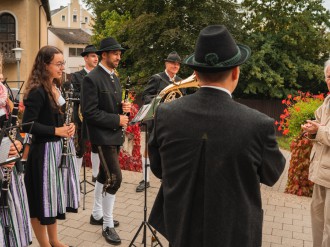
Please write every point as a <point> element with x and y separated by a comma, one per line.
<point>59,65</point>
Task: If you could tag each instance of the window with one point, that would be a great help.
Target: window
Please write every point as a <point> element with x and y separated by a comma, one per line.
<point>63,17</point>
<point>7,27</point>
<point>74,18</point>
<point>75,52</point>
<point>86,19</point>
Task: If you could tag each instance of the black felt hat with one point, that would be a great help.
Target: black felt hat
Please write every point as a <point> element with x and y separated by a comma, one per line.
<point>216,50</point>
<point>109,44</point>
<point>173,57</point>
<point>88,49</point>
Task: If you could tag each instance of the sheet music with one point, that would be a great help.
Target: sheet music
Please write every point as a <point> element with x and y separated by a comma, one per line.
<point>4,149</point>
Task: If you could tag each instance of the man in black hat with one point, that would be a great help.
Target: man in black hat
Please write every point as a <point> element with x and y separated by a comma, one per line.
<point>103,111</point>
<point>212,153</point>
<point>157,83</point>
<point>91,60</point>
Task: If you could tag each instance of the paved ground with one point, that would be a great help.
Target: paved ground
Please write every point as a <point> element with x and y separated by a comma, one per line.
<point>286,217</point>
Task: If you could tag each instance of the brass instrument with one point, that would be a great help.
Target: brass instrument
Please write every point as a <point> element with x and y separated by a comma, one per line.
<point>172,92</point>
<point>68,116</point>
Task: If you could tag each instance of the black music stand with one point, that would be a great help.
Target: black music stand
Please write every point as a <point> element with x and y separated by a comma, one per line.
<point>145,113</point>
<point>84,192</point>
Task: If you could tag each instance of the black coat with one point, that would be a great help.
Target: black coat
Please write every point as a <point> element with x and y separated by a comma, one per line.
<point>156,83</point>
<point>212,153</point>
<point>76,81</point>
<point>101,105</point>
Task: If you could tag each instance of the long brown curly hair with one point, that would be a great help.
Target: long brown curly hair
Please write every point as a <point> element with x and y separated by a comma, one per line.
<point>39,76</point>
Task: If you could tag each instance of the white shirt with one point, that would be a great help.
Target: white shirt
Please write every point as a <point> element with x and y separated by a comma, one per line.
<point>171,79</point>
<point>220,88</point>
<point>87,70</point>
<point>106,70</point>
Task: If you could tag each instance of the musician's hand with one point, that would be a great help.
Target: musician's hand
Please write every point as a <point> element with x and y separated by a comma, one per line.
<point>13,151</point>
<point>123,121</point>
<point>66,130</point>
<point>126,106</point>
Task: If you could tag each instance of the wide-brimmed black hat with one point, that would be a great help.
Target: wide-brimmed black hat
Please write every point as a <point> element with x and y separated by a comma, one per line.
<point>173,57</point>
<point>88,49</point>
<point>216,50</point>
<point>109,44</point>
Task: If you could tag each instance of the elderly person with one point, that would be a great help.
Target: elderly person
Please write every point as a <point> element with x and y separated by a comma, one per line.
<point>319,171</point>
<point>157,83</point>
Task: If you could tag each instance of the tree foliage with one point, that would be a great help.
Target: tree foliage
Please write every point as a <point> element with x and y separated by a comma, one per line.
<point>288,38</point>
<point>289,45</point>
<point>152,29</point>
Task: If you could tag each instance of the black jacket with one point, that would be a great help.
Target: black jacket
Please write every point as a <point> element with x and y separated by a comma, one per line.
<point>156,83</point>
<point>76,81</point>
<point>39,110</point>
<point>101,105</point>
<point>212,153</point>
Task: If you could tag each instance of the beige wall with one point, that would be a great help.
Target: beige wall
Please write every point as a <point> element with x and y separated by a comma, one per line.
<point>73,8</point>
<point>73,64</point>
<point>26,13</point>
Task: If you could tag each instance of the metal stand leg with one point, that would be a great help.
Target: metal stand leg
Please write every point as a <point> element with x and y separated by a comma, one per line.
<point>84,192</point>
<point>144,223</point>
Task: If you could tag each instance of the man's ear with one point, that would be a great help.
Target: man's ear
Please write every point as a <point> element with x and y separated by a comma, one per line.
<point>235,73</point>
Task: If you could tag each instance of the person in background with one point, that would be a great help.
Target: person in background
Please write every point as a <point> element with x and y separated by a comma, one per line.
<point>52,190</point>
<point>104,115</point>
<point>17,215</point>
<point>91,60</point>
<point>4,107</point>
<point>318,131</point>
<point>156,84</point>
<point>211,171</point>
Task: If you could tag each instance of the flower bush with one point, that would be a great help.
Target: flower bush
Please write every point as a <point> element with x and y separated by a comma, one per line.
<point>299,109</point>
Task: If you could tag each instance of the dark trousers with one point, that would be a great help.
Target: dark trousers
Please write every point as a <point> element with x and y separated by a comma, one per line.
<point>110,155</point>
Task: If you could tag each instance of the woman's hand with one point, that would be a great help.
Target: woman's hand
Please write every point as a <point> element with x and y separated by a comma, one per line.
<point>66,130</point>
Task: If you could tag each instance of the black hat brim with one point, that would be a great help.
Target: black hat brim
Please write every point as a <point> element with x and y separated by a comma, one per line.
<point>99,52</point>
<point>86,53</point>
<point>173,61</point>
<point>190,61</point>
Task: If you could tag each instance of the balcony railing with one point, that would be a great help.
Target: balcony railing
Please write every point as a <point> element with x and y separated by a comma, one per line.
<point>6,47</point>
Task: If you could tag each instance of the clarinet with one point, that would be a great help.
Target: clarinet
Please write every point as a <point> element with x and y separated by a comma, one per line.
<point>68,116</point>
<point>7,171</point>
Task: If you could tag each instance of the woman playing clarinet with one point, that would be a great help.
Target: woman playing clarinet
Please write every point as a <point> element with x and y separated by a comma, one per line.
<point>50,194</point>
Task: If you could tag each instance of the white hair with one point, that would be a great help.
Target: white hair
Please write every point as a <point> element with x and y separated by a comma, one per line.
<point>326,65</point>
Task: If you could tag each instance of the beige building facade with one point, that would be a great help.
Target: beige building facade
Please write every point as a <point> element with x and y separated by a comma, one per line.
<point>73,16</point>
<point>23,23</point>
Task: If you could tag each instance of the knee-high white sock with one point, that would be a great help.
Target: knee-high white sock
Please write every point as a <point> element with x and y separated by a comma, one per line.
<point>108,203</point>
<point>79,164</point>
<point>97,207</point>
<point>144,168</point>
<point>95,163</point>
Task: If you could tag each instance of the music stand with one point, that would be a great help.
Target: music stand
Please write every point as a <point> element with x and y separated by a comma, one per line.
<point>145,113</point>
<point>84,192</point>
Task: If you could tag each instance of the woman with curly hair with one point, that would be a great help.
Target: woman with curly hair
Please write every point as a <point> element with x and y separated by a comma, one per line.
<point>52,190</point>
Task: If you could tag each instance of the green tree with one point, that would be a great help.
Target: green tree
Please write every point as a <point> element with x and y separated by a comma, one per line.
<point>152,29</point>
<point>289,45</point>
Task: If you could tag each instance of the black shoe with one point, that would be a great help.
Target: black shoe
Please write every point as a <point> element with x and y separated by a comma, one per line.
<point>93,221</point>
<point>93,179</point>
<point>140,187</point>
<point>111,236</point>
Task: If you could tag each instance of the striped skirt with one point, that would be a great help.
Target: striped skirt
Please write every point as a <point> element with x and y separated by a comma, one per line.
<point>52,190</point>
<point>61,184</point>
<point>16,217</point>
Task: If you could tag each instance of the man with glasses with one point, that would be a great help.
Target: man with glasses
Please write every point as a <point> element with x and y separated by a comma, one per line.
<point>103,112</point>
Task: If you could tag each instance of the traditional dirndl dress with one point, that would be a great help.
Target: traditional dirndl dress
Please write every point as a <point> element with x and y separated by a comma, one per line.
<point>52,190</point>
<point>17,216</point>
